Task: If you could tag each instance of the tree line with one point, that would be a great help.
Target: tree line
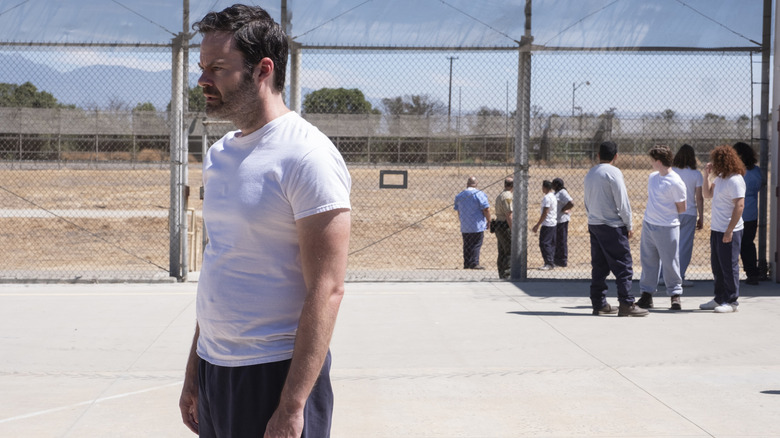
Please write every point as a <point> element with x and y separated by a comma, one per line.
<point>322,101</point>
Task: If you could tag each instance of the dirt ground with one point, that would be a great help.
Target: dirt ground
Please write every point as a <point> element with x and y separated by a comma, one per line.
<point>412,229</point>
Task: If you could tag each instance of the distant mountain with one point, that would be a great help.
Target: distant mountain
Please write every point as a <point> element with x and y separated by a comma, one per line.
<point>102,86</point>
<point>92,86</point>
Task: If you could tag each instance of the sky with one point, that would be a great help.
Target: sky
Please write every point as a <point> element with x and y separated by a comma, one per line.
<point>633,83</point>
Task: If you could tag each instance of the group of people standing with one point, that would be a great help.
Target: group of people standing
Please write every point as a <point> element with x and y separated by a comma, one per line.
<point>674,210</point>
<point>553,224</point>
<point>473,210</point>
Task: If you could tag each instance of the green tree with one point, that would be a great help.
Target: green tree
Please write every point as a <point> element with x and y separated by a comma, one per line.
<point>667,115</point>
<point>146,106</point>
<point>337,101</point>
<point>485,122</point>
<point>196,100</point>
<point>27,96</point>
<point>416,104</point>
<point>711,117</point>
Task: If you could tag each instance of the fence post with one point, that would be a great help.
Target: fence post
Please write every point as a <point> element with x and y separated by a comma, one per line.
<point>766,44</point>
<point>519,257</point>
<point>175,212</point>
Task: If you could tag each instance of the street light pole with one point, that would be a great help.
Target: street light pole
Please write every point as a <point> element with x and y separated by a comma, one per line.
<point>574,87</point>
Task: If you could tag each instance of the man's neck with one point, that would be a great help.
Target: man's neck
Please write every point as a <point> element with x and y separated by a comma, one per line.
<point>268,110</point>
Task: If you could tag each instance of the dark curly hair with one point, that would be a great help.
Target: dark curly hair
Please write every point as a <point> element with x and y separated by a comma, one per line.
<point>726,162</point>
<point>746,154</point>
<point>685,157</point>
<point>255,34</point>
<point>661,153</point>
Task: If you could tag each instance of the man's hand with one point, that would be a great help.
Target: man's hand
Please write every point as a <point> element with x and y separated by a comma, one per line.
<point>727,236</point>
<point>188,404</point>
<point>630,234</point>
<point>535,228</point>
<point>284,425</point>
<point>700,223</point>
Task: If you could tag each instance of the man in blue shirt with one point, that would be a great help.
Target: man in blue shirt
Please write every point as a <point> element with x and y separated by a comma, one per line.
<point>474,213</point>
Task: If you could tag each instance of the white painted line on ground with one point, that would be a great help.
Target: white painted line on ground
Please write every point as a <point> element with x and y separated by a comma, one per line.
<point>90,402</point>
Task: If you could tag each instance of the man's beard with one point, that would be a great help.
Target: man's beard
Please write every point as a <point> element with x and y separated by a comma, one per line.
<point>239,105</point>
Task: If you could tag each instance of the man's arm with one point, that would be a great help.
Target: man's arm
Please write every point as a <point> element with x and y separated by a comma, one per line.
<point>324,243</point>
<point>509,219</point>
<point>681,206</point>
<point>699,208</point>
<point>620,194</point>
<point>541,219</point>
<point>486,213</point>
<point>188,402</point>
<point>707,187</point>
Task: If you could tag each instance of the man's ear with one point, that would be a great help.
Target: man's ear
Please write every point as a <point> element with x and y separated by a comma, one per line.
<point>264,69</point>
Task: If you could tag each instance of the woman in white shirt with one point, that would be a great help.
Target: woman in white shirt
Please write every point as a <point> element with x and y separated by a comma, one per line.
<point>684,164</point>
<point>659,246</point>
<point>723,182</point>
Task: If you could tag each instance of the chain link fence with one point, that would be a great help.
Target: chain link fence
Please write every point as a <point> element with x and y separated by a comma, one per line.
<point>86,188</point>
<point>85,177</point>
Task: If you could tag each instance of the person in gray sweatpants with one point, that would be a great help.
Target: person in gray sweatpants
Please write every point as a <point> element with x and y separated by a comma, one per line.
<point>659,246</point>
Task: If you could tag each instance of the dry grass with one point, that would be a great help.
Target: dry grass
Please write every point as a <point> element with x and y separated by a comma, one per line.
<point>409,229</point>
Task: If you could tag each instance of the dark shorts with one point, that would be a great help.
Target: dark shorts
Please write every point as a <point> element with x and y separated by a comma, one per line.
<point>237,402</point>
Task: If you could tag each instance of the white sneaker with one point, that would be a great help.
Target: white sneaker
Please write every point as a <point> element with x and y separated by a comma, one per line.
<point>725,308</point>
<point>687,283</point>
<point>547,268</point>
<point>709,305</point>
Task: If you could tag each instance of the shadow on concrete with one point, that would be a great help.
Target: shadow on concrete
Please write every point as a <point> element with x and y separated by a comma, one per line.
<point>581,288</point>
<point>551,313</point>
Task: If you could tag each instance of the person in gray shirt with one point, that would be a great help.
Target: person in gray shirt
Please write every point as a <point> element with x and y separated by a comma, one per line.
<point>610,228</point>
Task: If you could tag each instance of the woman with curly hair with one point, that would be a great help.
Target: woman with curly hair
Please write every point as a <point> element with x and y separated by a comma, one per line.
<point>685,165</point>
<point>723,182</point>
<point>753,182</point>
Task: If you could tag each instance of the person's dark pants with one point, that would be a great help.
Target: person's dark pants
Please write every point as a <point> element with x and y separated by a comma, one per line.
<point>562,244</point>
<point>472,244</point>
<point>724,258</point>
<point>748,249</point>
<point>237,402</point>
<point>610,251</point>
<point>547,244</point>
<point>504,241</point>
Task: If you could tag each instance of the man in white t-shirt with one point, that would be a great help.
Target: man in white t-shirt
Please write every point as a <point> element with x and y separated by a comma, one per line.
<point>547,221</point>
<point>277,211</point>
<point>659,245</point>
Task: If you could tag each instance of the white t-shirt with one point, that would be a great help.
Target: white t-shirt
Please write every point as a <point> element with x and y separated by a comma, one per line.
<point>692,179</point>
<point>563,198</point>
<point>726,191</point>
<point>551,202</point>
<point>662,193</point>
<point>251,287</point>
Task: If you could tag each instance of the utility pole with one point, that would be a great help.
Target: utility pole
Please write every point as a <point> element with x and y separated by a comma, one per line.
<point>449,102</point>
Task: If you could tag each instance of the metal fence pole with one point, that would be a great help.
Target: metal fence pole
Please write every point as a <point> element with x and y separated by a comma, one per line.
<point>519,263</point>
<point>764,135</point>
<point>774,235</point>
<point>175,212</point>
